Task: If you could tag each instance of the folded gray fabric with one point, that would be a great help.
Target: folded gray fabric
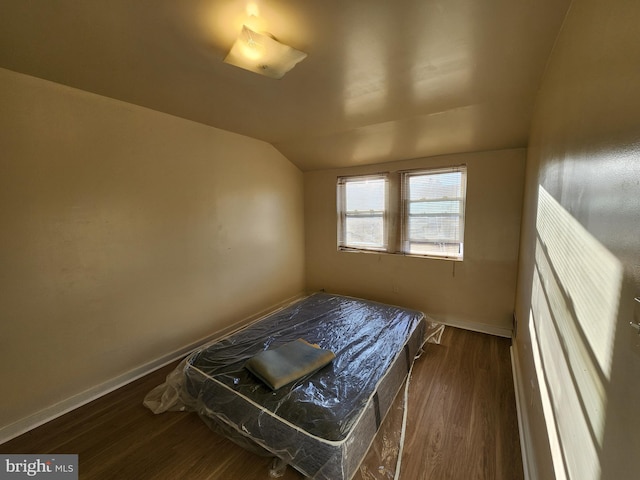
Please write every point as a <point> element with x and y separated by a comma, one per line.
<point>288,363</point>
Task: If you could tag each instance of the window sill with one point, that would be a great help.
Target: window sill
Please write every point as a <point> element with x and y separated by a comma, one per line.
<point>398,254</point>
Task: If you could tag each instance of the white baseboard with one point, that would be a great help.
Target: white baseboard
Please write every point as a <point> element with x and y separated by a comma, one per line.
<point>54,411</point>
<point>478,327</point>
<point>528,465</point>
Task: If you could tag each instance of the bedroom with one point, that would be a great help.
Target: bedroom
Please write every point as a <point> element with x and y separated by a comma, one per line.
<point>119,219</point>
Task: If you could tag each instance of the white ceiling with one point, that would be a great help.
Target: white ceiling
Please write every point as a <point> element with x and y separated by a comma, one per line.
<point>384,80</point>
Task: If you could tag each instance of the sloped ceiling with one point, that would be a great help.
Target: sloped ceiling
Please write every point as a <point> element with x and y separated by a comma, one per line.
<point>384,80</point>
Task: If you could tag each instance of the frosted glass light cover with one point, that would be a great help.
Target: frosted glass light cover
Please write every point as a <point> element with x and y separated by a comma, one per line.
<point>262,54</point>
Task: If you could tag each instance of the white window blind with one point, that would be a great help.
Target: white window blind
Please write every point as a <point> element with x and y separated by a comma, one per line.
<point>362,208</point>
<point>433,212</point>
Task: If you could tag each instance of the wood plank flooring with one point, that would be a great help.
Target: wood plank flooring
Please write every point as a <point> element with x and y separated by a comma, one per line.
<point>461,410</point>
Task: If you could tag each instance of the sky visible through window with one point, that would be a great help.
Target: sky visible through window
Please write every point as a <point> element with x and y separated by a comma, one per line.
<point>365,205</point>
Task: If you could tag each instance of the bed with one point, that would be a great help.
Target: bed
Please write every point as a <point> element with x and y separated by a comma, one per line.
<point>323,423</point>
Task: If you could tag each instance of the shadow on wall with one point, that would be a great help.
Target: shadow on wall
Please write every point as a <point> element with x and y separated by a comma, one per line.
<point>575,309</point>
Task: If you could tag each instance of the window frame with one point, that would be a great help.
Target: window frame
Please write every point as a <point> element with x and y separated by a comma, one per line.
<point>405,194</point>
<point>343,214</point>
<point>396,214</point>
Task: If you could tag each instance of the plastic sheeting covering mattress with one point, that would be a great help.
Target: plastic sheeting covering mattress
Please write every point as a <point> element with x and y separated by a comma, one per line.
<point>322,424</point>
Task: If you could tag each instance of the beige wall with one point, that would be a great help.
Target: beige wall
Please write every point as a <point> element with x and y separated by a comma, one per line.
<point>128,234</point>
<point>585,152</point>
<point>477,293</point>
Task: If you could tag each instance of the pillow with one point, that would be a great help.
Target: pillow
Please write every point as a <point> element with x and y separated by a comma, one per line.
<point>292,361</point>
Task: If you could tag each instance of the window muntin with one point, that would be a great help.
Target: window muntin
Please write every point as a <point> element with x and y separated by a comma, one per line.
<point>362,204</point>
<point>434,212</point>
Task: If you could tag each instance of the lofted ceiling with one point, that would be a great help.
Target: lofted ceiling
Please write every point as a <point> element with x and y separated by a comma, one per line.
<point>384,80</point>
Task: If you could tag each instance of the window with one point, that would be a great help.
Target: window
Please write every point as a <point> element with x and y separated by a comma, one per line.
<point>434,212</point>
<point>362,203</point>
<point>417,212</point>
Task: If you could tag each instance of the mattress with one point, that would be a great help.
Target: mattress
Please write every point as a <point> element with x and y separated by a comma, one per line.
<point>322,424</point>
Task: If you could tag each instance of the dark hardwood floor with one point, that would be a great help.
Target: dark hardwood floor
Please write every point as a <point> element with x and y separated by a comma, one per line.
<point>462,425</point>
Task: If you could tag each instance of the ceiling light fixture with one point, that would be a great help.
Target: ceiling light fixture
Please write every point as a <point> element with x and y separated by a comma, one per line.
<point>262,53</point>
